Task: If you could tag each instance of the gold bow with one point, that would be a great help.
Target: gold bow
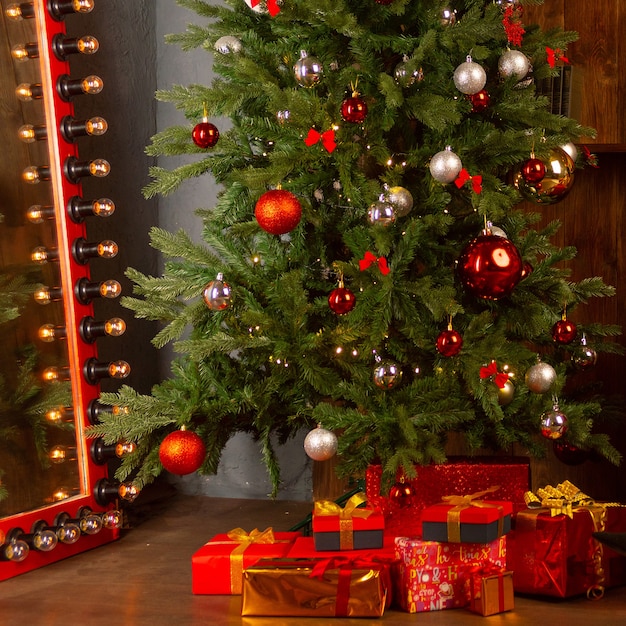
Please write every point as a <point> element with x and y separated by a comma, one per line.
<point>346,516</point>
<point>244,539</point>
<point>460,503</point>
<point>561,499</point>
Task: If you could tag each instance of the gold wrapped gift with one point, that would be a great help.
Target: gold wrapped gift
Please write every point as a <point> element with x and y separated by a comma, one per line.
<point>314,588</point>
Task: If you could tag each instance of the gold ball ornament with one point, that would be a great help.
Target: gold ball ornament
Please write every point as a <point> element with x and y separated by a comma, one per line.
<point>506,393</point>
<point>556,183</point>
<point>387,374</point>
<point>278,211</point>
<point>320,444</point>
<point>401,199</point>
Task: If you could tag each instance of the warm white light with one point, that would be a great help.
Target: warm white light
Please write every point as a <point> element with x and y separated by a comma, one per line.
<point>59,415</point>
<point>87,44</point>
<point>39,255</point>
<point>110,289</point>
<point>107,249</point>
<point>115,327</point>
<point>96,126</point>
<point>25,92</point>
<point>83,6</point>
<point>128,491</point>
<point>99,168</point>
<point>45,540</point>
<point>26,133</point>
<point>20,52</point>
<point>31,175</point>
<point>125,447</point>
<point>90,524</point>
<point>112,519</point>
<point>92,85</point>
<point>69,533</point>
<point>47,333</point>
<point>61,454</point>
<point>103,207</point>
<point>119,369</point>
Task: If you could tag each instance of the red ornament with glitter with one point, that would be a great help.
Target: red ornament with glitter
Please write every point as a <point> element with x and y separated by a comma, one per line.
<point>564,331</point>
<point>480,100</point>
<point>449,342</point>
<point>354,109</point>
<point>278,211</point>
<point>490,266</point>
<point>205,134</point>
<point>182,452</point>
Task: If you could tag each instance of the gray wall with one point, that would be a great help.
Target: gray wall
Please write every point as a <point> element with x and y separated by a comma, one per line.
<point>134,61</point>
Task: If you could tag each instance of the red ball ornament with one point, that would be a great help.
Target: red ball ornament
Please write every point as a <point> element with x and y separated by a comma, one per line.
<point>480,100</point>
<point>341,300</point>
<point>490,266</point>
<point>402,493</point>
<point>278,211</point>
<point>564,331</point>
<point>568,453</point>
<point>533,170</point>
<point>182,452</point>
<point>205,134</point>
<point>354,109</point>
<point>449,342</point>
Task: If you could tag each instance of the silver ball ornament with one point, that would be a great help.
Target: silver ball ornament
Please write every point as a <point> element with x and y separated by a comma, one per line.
<point>320,444</point>
<point>469,77</point>
<point>387,374</point>
<point>540,377</point>
<point>571,149</point>
<point>217,294</point>
<point>404,77</point>
<point>585,357</point>
<point>401,199</point>
<point>445,166</point>
<point>553,423</point>
<point>381,213</point>
<point>513,63</point>
<point>308,70</point>
<point>228,44</point>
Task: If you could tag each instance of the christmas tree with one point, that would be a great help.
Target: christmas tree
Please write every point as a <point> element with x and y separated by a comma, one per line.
<point>368,272</point>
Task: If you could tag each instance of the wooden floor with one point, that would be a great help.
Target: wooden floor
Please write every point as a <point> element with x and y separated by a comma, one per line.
<point>145,579</point>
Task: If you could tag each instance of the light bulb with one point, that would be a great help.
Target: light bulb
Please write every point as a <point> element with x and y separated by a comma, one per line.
<point>106,491</point>
<point>112,519</point>
<point>68,87</point>
<point>34,174</point>
<point>85,291</point>
<point>74,170</point>
<point>25,51</point>
<point>26,92</point>
<point>54,374</point>
<point>61,454</point>
<point>115,327</point>
<point>125,447</point>
<point>60,8</point>
<point>42,255</point>
<point>119,369</point>
<point>83,250</point>
<point>28,133</point>
<point>44,540</point>
<point>90,524</point>
<point>21,11</point>
<point>96,126</point>
<point>69,533</point>
<point>16,550</point>
<point>128,491</point>
<point>71,129</point>
<point>50,332</point>
<point>92,84</point>
<point>110,289</point>
<point>63,46</point>
<point>103,207</point>
<point>37,213</point>
<point>60,415</point>
<point>94,370</point>
<point>79,209</point>
<point>45,295</point>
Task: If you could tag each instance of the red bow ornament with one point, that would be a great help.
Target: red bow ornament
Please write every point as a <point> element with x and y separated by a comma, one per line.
<point>477,181</point>
<point>370,258</point>
<point>327,137</point>
<point>272,6</point>
<point>500,378</point>
<point>555,55</point>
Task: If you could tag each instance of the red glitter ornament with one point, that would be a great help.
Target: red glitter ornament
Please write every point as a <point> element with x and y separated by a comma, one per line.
<point>278,211</point>
<point>402,493</point>
<point>205,134</point>
<point>354,109</point>
<point>341,300</point>
<point>182,452</point>
<point>564,331</point>
<point>490,266</point>
<point>533,170</point>
<point>480,100</point>
<point>449,342</point>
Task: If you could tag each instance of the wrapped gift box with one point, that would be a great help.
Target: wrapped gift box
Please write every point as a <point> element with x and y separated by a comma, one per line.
<point>491,592</point>
<point>217,567</point>
<point>347,528</point>
<point>432,576</point>
<point>460,475</point>
<point>555,554</point>
<point>313,588</point>
<point>474,521</point>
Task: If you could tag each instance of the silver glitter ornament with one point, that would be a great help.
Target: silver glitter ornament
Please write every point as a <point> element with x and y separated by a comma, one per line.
<point>228,44</point>
<point>445,166</point>
<point>469,77</point>
<point>540,377</point>
<point>381,213</point>
<point>308,70</point>
<point>320,444</point>
<point>401,199</point>
<point>387,374</point>
<point>513,63</point>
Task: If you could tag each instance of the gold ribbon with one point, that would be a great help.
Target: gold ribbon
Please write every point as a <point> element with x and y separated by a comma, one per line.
<point>460,503</point>
<point>244,539</point>
<point>566,499</point>
<point>346,515</point>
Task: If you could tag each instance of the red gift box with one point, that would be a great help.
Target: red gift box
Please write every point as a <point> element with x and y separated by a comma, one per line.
<point>349,528</point>
<point>217,567</point>
<point>460,475</point>
<point>432,576</point>
<point>491,591</point>
<point>557,555</point>
<point>467,519</point>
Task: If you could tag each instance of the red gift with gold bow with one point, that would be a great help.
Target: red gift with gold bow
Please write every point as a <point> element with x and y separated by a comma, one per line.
<point>218,566</point>
<point>350,527</point>
<point>552,551</point>
<point>467,518</point>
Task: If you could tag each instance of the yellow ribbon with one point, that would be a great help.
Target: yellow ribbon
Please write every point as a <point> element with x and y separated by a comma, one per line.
<point>460,503</point>
<point>346,515</point>
<point>244,539</point>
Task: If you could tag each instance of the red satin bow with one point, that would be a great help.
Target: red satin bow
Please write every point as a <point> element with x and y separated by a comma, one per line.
<point>370,258</point>
<point>554,56</point>
<point>492,370</point>
<point>272,6</point>
<point>477,181</point>
<point>327,137</point>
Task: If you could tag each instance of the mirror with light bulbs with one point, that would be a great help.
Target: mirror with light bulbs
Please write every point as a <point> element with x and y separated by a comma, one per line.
<point>56,499</point>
